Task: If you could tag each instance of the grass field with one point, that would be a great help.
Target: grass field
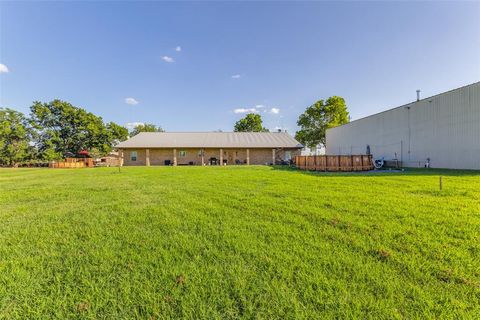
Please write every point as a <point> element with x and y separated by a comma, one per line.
<point>238,242</point>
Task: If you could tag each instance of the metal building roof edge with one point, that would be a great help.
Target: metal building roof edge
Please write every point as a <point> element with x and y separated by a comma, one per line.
<point>407,104</point>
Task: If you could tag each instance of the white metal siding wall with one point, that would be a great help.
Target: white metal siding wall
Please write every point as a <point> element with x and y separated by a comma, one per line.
<point>444,128</point>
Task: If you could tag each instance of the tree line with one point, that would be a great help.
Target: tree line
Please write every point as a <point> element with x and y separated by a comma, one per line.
<point>57,128</point>
<point>313,123</point>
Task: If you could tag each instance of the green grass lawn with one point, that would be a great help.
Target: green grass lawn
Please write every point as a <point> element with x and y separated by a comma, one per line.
<point>238,242</point>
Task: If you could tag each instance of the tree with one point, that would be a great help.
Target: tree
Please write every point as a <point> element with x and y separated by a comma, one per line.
<point>62,128</point>
<point>117,133</point>
<point>95,153</point>
<point>146,127</point>
<point>251,123</point>
<point>15,135</point>
<point>319,117</point>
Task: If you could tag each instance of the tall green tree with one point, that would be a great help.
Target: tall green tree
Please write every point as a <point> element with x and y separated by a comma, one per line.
<point>62,128</point>
<point>319,117</point>
<point>146,127</point>
<point>117,133</point>
<point>251,123</point>
<point>15,136</point>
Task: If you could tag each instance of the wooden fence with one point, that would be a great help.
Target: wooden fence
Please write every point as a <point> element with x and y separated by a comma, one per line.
<point>335,163</point>
<point>72,163</point>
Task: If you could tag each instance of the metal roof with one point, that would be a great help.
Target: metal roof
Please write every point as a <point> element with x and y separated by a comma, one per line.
<point>409,104</point>
<point>211,140</point>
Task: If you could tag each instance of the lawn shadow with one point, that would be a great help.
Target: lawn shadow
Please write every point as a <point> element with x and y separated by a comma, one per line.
<point>383,172</point>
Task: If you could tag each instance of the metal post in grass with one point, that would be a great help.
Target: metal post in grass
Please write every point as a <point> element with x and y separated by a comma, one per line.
<point>441,183</point>
<point>120,159</point>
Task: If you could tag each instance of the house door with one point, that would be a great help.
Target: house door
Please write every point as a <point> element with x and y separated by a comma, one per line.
<point>230,157</point>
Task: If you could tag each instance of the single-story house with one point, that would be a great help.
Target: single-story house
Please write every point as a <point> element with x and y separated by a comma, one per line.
<point>208,148</point>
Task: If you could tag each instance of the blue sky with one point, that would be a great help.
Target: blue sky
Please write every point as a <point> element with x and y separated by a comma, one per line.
<point>194,66</point>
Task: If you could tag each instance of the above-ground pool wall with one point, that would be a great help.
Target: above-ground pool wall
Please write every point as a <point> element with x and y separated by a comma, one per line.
<point>444,128</point>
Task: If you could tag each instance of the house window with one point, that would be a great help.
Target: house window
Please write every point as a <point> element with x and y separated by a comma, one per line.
<point>182,154</point>
<point>133,155</point>
<point>288,155</point>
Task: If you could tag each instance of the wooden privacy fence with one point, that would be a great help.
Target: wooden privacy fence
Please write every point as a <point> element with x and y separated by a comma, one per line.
<point>335,163</point>
<point>72,163</point>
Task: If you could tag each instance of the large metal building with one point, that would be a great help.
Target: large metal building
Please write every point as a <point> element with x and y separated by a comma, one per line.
<point>442,131</point>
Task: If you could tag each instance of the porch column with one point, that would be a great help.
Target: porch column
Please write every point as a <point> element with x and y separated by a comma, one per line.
<point>147,157</point>
<point>273,156</point>
<point>203,156</point>
<point>120,158</point>
<point>174,157</point>
<point>221,157</point>
<point>248,156</point>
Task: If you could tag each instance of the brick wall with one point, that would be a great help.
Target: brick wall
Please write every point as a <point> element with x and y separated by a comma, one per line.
<point>140,157</point>
<point>191,155</point>
<point>158,156</point>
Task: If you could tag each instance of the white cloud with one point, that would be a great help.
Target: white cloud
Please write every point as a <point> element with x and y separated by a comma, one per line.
<point>132,125</point>
<point>236,76</point>
<point>245,110</point>
<point>178,48</point>
<point>257,109</point>
<point>168,59</point>
<point>3,68</point>
<point>131,101</point>
<point>275,110</point>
